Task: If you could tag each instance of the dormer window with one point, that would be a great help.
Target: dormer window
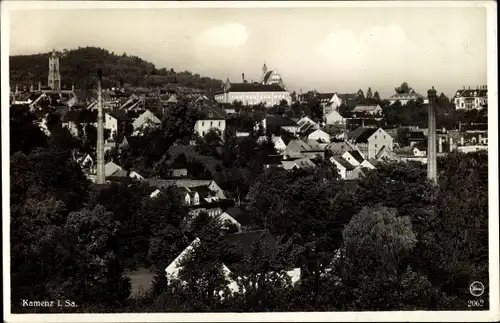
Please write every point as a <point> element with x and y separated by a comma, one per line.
<point>210,114</point>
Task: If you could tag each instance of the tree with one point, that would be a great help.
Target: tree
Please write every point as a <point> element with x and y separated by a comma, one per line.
<point>369,94</point>
<point>403,88</point>
<point>25,135</point>
<point>376,96</point>
<point>361,95</point>
<point>377,242</point>
<point>97,276</point>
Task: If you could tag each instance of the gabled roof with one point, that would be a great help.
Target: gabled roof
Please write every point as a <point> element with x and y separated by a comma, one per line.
<point>343,162</point>
<point>366,108</point>
<point>111,168</point>
<point>212,112</point>
<point>119,115</point>
<point>239,215</point>
<point>338,148</point>
<point>361,135</point>
<point>470,93</point>
<point>172,99</point>
<point>267,76</point>
<point>356,155</point>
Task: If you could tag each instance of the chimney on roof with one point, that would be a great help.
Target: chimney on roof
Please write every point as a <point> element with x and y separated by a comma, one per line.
<point>243,77</point>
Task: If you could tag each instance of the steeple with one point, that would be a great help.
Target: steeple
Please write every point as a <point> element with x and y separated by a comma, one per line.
<point>54,79</point>
<point>264,69</point>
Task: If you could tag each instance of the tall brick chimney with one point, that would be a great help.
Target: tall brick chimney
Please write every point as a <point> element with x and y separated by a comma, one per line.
<point>243,77</point>
<point>431,144</point>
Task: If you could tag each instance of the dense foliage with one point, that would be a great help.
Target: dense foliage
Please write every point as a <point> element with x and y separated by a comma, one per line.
<point>391,240</point>
<point>78,68</point>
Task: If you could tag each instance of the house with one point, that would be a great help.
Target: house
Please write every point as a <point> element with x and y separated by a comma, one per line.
<point>404,98</point>
<point>189,183</point>
<point>274,124</point>
<point>272,161</point>
<point>187,196</point>
<point>356,173</point>
<point>350,100</point>
<point>306,124</point>
<point>279,144</point>
<point>471,99</point>
<point>297,148</point>
<point>211,118</point>
<point>237,216</point>
<point>369,141</point>
<point>353,157</point>
<point>111,168</point>
<point>415,137</point>
<point>344,168</point>
<point>302,163</point>
<point>318,135</point>
<point>242,243</point>
<point>114,120</point>
<point>253,94</point>
<point>365,109</point>
<point>339,148</point>
<point>333,118</point>
<point>146,119</point>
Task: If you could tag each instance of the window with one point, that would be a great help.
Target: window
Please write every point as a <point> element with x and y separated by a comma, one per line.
<point>375,145</point>
<point>219,124</point>
<point>384,136</point>
<point>203,123</point>
<point>375,137</point>
<point>211,124</point>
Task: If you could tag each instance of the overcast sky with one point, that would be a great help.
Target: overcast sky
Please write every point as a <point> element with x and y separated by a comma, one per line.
<point>328,49</point>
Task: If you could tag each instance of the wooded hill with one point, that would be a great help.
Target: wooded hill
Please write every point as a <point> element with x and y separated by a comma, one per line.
<point>78,67</point>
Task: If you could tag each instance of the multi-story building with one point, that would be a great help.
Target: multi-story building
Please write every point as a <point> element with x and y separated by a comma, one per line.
<point>211,118</point>
<point>54,78</point>
<point>467,99</point>
<point>404,98</point>
<point>253,94</point>
<point>370,141</point>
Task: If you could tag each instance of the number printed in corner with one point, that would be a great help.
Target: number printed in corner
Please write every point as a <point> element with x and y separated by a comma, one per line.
<point>475,303</point>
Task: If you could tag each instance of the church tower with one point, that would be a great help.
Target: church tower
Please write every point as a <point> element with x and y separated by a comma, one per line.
<point>54,76</point>
<point>264,70</point>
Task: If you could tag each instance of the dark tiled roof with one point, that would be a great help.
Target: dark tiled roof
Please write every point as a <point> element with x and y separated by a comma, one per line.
<point>243,243</point>
<point>120,115</point>
<point>273,160</point>
<point>361,135</point>
<point>343,162</point>
<point>277,121</point>
<point>212,112</point>
<point>416,135</point>
<point>255,87</point>
<point>239,215</point>
<point>357,156</point>
<point>470,93</point>
<point>267,76</point>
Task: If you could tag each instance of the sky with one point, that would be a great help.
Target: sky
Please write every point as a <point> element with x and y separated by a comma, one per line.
<point>327,49</point>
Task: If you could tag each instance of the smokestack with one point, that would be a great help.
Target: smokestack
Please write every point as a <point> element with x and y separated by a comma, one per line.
<point>462,140</point>
<point>100,132</point>
<point>243,77</point>
<point>431,138</point>
<point>451,143</point>
<point>440,147</point>
<point>479,139</point>
<point>39,85</point>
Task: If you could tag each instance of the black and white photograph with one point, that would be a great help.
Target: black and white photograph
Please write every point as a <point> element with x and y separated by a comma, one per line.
<point>250,161</point>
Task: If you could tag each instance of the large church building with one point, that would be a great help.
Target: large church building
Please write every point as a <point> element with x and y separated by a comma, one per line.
<point>270,91</point>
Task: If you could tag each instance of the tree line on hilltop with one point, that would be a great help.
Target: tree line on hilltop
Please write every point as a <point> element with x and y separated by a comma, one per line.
<point>78,67</point>
<point>389,241</point>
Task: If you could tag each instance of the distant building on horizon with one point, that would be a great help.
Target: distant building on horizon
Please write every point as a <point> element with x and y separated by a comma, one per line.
<point>467,99</point>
